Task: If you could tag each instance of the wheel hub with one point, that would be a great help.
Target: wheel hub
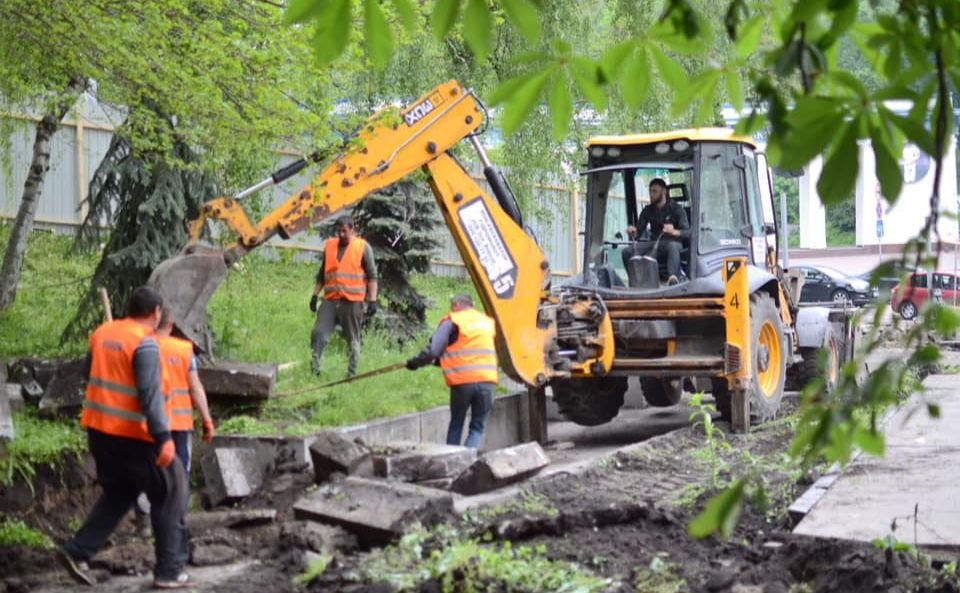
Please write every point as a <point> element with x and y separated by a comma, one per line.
<point>763,358</point>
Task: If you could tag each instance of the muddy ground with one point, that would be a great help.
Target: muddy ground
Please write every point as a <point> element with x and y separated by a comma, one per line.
<point>625,519</point>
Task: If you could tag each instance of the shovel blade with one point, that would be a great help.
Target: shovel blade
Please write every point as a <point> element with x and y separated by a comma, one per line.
<point>186,282</point>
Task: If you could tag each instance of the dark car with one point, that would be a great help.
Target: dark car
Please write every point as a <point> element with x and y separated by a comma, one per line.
<point>822,284</point>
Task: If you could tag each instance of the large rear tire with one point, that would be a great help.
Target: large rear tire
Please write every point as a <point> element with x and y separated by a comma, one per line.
<point>589,401</point>
<point>661,392</point>
<point>769,360</point>
<point>809,369</point>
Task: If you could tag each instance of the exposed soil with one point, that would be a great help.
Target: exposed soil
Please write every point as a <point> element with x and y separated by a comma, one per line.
<point>624,518</point>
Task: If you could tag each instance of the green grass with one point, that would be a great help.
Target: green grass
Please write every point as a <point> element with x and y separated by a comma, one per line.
<point>14,532</point>
<point>259,314</point>
<point>37,442</point>
<point>51,285</point>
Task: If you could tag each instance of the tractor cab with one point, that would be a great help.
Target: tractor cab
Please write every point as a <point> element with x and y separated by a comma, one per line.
<point>720,183</point>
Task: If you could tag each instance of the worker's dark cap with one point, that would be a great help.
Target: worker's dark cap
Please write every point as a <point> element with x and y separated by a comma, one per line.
<point>345,220</point>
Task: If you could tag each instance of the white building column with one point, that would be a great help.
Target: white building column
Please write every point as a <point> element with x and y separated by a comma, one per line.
<point>813,216</point>
<point>868,193</point>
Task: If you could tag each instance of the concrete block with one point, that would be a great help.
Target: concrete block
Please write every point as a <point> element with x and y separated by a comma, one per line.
<point>376,511</point>
<point>64,394</point>
<point>273,452</point>
<point>434,424</point>
<point>416,462</point>
<point>240,381</point>
<point>388,430</point>
<point>332,452</point>
<point>504,424</point>
<point>6,421</point>
<point>231,474</point>
<point>499,468</point>
<point>12,393</point>
<point>317,537</point>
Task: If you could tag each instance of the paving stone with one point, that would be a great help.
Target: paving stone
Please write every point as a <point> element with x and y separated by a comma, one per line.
<point>376,511</point>
<point>231,474</point>
<point>6,421</point>
<point>320,538</point>
<point>233,519</point>
<point>13,394</point>
<point>273,453</point>
<point>332,452</point>
<point>499,468</point>
<point>64,394</point>
<point>416,462</point>
<point>213,554</point>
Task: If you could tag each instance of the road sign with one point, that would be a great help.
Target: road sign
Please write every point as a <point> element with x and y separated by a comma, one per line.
<point>879,229</point>
<point>879,209</point>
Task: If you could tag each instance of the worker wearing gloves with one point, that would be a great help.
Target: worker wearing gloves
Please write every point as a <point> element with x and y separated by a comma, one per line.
<point>182,390</point>
<point>129,437</point>
<point>347,278</point>
<point>464,345</point>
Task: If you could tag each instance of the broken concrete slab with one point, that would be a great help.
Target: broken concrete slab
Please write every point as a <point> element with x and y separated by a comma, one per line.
<point>499,468</point>
<point>415,462</point>
<point>332,452</point>
<point>232,519</point>
<point>215,554</point>
<point>6,421</point>
<point>376,511</point>
<point>227,380</point>
<point>231,474</point>
<point>275,453</point>
<point>14,396</point>
<point>64,395</point>
<point>320,538</point>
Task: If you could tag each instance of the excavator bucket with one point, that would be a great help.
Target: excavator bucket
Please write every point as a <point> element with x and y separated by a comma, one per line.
<point>186,282</point>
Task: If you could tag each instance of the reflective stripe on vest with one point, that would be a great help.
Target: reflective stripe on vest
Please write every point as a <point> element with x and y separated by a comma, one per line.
<point>175,357</point>
<point>111,405</point>
<point>472,358</point>
<point>344,278</point>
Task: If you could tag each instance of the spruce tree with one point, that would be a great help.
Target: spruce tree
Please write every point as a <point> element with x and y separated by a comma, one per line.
<point>141,202</point>
<point>401,224</point>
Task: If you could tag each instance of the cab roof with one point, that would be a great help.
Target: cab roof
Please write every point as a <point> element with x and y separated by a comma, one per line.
<point>692,134</point>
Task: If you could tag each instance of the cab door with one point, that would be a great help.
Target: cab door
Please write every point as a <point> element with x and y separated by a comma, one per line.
<point>767,205</point>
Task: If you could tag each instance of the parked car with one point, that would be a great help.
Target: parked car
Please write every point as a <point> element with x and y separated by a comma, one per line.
<point>822,284</point>
<point>921,287</point>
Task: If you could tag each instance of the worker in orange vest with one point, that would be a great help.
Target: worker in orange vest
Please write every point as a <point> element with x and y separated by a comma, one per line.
<point>182,390</point>
<point>464,345</point>
<point>347,278</point>
<point>129,437</point>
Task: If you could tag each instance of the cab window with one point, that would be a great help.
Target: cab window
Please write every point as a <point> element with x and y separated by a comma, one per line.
<point>722,205</point>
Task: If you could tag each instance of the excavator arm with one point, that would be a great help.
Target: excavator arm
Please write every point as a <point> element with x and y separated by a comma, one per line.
<point>510,271</point>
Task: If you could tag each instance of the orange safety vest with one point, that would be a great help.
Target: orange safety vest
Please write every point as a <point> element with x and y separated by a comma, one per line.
<point>175,357</point>
<point>112,405</point>
<point>472,358</point>
<point>344,278</point>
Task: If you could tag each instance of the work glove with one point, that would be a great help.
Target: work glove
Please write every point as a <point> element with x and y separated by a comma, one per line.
<point>208,431</point>
<point>372,307</point>
<point>313,303</point>
<point>167,452</point>
<point>423,358</point>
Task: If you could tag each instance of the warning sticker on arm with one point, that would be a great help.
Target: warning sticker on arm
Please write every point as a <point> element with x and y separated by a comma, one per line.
<point>489,247</point>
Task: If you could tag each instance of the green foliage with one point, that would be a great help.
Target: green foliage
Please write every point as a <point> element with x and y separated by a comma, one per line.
<point>51,286</point>
<point>38,442</point>
<point>701,417</point>
<point>14,532</point>
<point>459,563</point>
<point>314,571</point>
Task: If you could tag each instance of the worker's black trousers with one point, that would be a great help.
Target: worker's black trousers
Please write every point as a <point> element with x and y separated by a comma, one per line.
<point>125,468</point>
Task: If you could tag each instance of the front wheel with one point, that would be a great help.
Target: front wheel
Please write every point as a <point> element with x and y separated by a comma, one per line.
<point>589,401</point>
<point>908,310</point>
<point>661,392</point>
<point>768,360</point>
<point>840,296</point>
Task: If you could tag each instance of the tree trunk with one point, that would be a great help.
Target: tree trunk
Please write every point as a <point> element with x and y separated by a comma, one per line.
<point>17,246</point>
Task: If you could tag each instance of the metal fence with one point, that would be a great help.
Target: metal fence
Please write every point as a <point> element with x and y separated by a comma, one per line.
<point>81,143</point>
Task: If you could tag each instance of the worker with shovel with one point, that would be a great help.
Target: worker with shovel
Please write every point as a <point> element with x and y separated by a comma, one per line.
<point>464,345</point>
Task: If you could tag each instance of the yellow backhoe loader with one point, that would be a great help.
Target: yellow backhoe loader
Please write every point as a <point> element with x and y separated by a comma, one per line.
<point>731,325</point>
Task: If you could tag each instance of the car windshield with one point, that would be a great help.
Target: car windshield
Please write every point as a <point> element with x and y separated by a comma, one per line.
<point>835,274</point>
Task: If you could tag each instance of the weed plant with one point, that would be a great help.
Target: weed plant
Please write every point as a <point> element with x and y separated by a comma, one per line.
<point>14,532</point>
<point>38,442</point>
